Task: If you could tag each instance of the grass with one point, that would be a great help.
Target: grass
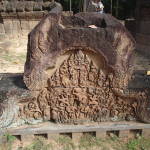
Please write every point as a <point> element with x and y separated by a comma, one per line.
<point>12,62</point>
<point>65,143</point>
<point>38,144</point>
<point>139,144</point>
<point>13,58</point>
<point>7,142</point>
<point>87,142</point>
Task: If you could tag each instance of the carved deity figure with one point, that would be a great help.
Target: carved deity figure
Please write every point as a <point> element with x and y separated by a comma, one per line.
<point>79,91</point>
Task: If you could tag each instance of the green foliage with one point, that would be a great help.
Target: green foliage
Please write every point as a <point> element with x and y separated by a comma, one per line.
<point>66,143</point>
<point>133,144</point>
<point>10,138</point>
<point>138,144</point>
<point>8,142</point>
<point>88,142</point>
<point>39,144</point>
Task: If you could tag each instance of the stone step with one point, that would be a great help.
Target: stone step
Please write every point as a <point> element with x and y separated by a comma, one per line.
<point>51,131</point>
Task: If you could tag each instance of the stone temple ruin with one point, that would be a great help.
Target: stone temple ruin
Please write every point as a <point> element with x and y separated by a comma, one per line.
<point>75,74</point>
<point>78,76</point>
<point>18,18</point>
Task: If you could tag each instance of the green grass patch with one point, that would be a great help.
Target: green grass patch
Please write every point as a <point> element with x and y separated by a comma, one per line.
<point>87,142</point>
<point>7,141</point>
<point>38,144</point>
<point>66,143</point>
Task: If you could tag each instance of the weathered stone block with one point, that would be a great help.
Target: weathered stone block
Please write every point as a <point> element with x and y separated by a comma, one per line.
<point>37,7</point>
<point>16,28</point>
<point>79,22</point>
<point>101,134</point>
<point>2,8</point>
<point>32,24</point>
<point>25,25</point>
<point>8,26</point>
<point>20,6</point>
<point>53,136</point>
<point>146,133</point>
<point>29,5</point>
<point>76,137</point>
<point>73,78</point>
<point>11,7</point>
<point>38,15</point>
<point>3,37</point>
<point>124,133</point>
<point>21,15</point>
<point>3,139</point>
<point>81,50</point>
<point>27,138</point>
<point>2,30</point>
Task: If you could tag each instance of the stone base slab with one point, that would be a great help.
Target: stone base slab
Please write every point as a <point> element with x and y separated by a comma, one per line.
<point>100,129</point>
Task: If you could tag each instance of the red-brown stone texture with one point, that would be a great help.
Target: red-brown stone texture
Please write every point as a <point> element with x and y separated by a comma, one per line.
<point>78,69</point>
<point>81,72</point>
<point>56,34</point>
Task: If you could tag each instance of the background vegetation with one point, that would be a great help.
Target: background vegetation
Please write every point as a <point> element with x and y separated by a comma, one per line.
<point>121,9</point>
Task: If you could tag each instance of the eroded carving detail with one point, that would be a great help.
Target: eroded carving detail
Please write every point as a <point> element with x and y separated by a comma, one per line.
<point>78,91</point>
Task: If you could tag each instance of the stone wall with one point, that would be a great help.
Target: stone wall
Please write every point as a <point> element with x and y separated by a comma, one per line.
<point>18,24</point>
<point>18,18</point>
<point>25,5</point>
<point>142,26</point>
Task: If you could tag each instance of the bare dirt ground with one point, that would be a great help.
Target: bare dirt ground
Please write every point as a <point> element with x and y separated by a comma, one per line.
<point>13,55</point>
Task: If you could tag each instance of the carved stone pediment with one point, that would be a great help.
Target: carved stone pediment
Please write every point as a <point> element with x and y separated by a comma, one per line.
<point>79,89</point>
<point>79,73</point>
<point>76,74</point>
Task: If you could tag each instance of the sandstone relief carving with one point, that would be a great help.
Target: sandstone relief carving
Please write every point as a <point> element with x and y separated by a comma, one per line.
<point>78,91</point>
<point>85,73</point>
<point>76,74</point>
